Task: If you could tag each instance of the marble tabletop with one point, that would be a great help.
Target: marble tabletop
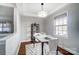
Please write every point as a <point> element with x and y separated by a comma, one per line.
<point>43,37</point>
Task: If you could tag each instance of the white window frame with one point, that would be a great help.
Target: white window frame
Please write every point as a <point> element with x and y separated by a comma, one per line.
<point>61,25</point>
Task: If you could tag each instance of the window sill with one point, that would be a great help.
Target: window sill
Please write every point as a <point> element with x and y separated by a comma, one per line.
<point>4,34</point>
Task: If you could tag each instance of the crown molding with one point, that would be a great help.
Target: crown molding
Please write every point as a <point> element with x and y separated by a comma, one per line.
<point>8,4</point>
<point>58,9</point>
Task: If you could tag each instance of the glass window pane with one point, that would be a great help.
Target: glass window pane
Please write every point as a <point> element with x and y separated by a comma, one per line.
<point>60,28</point>
<point>0,29</point>
<point>6,29</point>
<point>57,28</point>
<point>57,22</point>
<point>0,24</point>
<point>60,32</point>
<point>64,28</point>
<point>6,24</point>
<point>65,20</point>
<point>60,21</point>
<point>57,32</point>
<point>64,32</point>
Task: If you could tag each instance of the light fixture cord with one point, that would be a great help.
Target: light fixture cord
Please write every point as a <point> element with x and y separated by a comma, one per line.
<point>42,6</point>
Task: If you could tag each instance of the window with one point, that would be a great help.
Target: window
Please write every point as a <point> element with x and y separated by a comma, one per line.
<point>0,27</point>
<point>5,27</point>
<point>61,25</point>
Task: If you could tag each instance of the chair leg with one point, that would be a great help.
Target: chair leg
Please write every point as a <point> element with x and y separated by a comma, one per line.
<point>42,48</point>
<point>57,51</point>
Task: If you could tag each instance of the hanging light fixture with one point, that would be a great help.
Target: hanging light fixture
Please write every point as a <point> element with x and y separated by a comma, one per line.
<point>42,13</point>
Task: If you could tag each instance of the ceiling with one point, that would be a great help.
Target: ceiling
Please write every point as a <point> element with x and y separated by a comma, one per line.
<point>32,9</point>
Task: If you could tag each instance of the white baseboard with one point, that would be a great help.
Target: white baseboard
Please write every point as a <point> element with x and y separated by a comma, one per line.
<point>16,53</point>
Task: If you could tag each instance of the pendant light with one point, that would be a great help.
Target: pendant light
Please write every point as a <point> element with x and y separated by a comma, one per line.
<point>42,13</point>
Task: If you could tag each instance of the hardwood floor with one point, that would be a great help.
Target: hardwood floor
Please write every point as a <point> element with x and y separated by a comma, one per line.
<point>64,52</point>
<point>22,50</point>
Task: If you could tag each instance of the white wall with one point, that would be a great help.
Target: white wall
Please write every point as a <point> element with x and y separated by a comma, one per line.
<point>73,26</point>
<point>13,42</point>
<point>26,26</point>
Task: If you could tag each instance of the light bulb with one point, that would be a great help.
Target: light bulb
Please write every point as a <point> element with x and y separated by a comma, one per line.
<point>42,14</point>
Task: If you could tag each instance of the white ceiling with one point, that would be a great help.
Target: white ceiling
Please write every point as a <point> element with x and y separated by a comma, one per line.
<point>32,9</point>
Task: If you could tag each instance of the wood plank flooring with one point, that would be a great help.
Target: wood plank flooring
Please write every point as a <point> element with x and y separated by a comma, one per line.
<point>22,50</point>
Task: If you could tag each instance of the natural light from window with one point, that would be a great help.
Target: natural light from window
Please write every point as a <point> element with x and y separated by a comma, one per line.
<point>5,27</point>
<point>61,25</point>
